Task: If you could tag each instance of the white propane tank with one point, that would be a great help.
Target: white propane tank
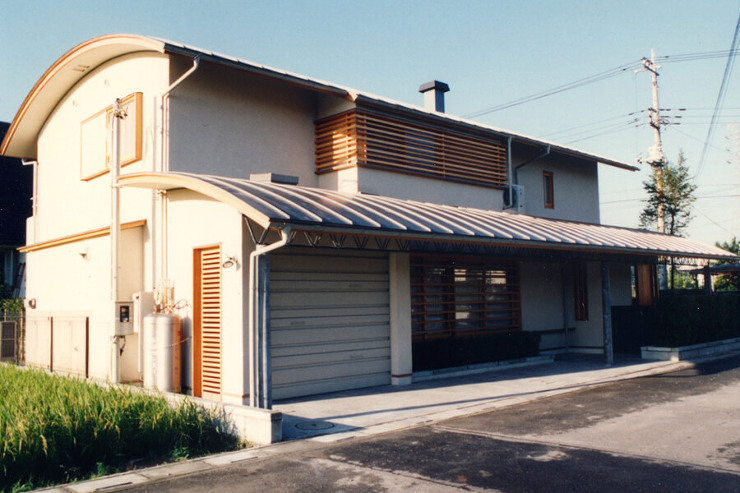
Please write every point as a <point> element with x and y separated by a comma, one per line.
<point>162,341</point>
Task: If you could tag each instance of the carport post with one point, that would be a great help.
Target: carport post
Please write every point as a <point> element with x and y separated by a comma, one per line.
<point>607,313</point>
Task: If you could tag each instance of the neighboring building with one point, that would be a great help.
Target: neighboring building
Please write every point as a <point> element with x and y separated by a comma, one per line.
<point>15,207</point>
<point>396,233</point>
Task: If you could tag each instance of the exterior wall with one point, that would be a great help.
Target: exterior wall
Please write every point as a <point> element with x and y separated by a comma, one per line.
<point>65,284</point>
<point>424,189</point>
<point>194,222</point>
<point>87,203</point>
<point>621,284</point>
<point>576,189</point>
<point>69,287</point>
<point>543,303</point>
<point>229,123</point>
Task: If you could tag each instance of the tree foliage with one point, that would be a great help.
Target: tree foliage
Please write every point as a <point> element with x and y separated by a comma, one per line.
<point>672,187</point>
<point>729,282</point>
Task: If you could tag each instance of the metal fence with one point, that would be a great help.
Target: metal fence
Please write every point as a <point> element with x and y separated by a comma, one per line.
<point>12,330</point>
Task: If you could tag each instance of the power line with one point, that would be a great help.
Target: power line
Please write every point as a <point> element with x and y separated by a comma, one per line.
<point>720,97</point>
<point>602,76</point>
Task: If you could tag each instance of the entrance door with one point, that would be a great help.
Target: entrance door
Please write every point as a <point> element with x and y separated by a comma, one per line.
<point>207,361</point>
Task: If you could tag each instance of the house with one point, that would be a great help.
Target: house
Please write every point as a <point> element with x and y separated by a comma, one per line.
<point>15,207</point>
<point>309,237</point>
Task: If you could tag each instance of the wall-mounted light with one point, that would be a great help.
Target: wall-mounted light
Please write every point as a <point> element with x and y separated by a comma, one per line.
<point>229,262</point>
<point>32,303</point>
<point>83,253</point>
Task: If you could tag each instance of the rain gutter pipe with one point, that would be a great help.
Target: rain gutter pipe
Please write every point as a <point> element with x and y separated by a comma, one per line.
<point>259,344</point>
<point>163,269</point>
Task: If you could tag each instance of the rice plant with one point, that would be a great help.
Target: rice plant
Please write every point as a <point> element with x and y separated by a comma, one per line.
<point>58,429</point>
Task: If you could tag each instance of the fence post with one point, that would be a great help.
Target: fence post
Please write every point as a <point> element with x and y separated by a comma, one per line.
<point>51,344</point>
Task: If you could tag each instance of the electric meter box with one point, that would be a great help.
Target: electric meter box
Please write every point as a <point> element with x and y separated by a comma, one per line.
<point>124,318</point>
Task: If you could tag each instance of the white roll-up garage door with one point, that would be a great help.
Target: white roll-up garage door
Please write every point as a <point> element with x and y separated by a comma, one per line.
<point>329,320</point>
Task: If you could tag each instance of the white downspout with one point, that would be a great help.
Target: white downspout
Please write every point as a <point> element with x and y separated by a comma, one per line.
<point>259,250</point>
<point>164,165</point>
<point>115,228</point>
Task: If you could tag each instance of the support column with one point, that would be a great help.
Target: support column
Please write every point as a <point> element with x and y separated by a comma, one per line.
<point>607,313</point>
<point>263,363</point>
<point>400,318</point>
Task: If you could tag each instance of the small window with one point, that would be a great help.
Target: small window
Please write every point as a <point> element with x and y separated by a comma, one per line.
<point>547,181</point>
<point>95,133</point>
<point>580,283</point>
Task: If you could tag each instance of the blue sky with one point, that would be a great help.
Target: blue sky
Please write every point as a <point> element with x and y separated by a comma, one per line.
<point>489,52</point>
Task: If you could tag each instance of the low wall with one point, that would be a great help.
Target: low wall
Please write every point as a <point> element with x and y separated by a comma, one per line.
<point>690,352</point>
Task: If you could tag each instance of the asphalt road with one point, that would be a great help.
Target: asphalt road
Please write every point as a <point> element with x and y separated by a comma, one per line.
<point>674,432</point>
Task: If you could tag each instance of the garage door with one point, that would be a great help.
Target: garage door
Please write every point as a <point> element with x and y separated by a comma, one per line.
<point>330,322</point>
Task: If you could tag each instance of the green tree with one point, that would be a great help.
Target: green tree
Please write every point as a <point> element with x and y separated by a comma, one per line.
<point>669,186</point>
<point>730,282</point>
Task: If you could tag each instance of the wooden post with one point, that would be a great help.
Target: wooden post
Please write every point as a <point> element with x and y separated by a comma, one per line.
<point>707,280</point>
<point>607,314</point>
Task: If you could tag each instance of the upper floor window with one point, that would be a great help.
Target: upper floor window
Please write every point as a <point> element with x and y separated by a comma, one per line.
<point>549,191</point>
<point>95,138</point>
<point>364,138</point>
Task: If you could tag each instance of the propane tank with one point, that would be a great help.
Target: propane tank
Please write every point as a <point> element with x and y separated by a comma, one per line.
<point>162,340</point>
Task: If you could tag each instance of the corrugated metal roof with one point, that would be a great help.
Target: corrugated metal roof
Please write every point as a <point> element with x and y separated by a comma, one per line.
<point>273,205</point>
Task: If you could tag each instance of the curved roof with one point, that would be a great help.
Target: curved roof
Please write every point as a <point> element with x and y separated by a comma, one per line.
<point>303,208</point>
<point>74,65</point>
<point>86,57</point>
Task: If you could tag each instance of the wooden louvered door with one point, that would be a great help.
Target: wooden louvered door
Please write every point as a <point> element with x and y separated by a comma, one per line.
<point>207,360</point>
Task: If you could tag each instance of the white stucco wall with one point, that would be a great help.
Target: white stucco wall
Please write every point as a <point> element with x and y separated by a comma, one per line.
<point>71,282</point>
<point>575,184</point>
<point>424,189</point>
<point>68,205</point>
<point>230,123</point>
<point>196,222</point>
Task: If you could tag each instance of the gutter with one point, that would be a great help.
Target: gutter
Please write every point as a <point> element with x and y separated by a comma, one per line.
<point>259,341</point>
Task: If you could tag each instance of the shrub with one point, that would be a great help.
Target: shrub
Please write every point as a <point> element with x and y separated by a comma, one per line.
<point>57,429</point>
<point>685,319</point>
<point>451,352</point>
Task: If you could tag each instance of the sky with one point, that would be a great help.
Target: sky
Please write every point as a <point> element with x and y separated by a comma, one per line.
<point>489,52</point>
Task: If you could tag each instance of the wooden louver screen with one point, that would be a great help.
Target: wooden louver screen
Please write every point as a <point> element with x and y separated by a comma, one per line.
<point>459,298</point>
<point>210,320</point>
<point>357,138</point>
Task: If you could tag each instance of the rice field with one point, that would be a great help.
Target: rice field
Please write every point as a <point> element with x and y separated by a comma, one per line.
<point>57,429</point>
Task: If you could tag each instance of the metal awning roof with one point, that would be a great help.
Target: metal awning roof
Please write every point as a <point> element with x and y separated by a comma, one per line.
<point>273,205</point>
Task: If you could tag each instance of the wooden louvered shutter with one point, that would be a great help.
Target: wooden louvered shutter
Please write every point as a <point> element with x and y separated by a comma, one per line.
<point>207,362</point>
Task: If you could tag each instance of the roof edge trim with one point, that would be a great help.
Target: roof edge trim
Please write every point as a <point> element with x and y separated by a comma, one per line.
<point>168,181</point>
<point>14,144</point>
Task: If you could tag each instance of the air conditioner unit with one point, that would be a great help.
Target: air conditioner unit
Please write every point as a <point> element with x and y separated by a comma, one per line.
<point>514,197</point>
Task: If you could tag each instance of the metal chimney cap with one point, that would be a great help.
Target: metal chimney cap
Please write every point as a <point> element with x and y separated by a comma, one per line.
<point>434,84</point>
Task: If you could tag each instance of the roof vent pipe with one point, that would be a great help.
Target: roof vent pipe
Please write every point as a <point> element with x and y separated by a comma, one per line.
<point>434,95</point>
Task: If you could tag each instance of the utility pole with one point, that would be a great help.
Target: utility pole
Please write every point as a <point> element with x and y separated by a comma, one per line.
<point>655,153</point>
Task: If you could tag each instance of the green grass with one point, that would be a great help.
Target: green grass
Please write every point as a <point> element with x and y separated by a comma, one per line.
<point>58,429</point>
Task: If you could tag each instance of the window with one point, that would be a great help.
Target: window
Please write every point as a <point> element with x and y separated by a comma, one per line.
<point>463,297</point>
<point>549,192</point>
<point>580,282</point>
<point>95,135</point>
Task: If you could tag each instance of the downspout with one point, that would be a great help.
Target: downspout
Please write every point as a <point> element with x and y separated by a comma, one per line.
<point>115,230</point>
<point>510,191</point>
<point>164,132</point>
<point>259,364</point>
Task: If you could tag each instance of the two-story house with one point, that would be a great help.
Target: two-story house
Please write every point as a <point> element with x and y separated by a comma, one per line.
<point>311,237</point>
